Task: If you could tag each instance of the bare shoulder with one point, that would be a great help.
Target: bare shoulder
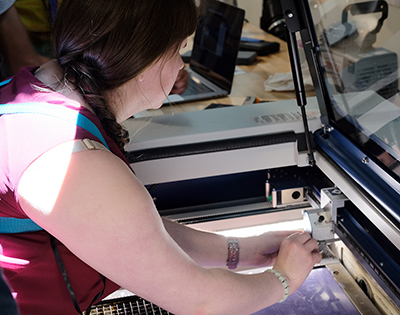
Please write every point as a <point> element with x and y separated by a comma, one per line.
<point>61,187</point>
<point>93,203</point>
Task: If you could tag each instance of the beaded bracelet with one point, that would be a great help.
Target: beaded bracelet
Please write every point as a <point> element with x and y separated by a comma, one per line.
<point>233,253</point>
<point>284,283</point>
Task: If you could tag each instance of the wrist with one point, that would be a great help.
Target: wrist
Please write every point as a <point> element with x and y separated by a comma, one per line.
<point>282,279</point>
<point>249,252</point>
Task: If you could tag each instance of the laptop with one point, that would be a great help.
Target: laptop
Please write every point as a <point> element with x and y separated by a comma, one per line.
<point>215,49</point>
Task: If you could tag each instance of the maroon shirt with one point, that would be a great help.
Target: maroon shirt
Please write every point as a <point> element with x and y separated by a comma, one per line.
<point>35,277</point>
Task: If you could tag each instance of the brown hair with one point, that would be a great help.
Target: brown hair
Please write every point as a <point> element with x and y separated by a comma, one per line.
<point>102,44</point>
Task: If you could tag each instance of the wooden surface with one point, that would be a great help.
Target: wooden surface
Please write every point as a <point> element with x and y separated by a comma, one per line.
<point>248,83</point>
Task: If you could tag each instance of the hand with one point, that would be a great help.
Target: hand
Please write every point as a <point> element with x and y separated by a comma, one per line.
<point>181,83</point>
<point>297,256</point>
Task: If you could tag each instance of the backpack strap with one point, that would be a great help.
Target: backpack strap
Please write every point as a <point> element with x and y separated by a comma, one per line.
<point>4,82</point>
<point>10,225</point>
<point>54,110</point>
<point>14,225</point>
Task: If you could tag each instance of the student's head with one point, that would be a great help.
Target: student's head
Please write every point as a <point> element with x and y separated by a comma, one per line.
<point>103,44</point>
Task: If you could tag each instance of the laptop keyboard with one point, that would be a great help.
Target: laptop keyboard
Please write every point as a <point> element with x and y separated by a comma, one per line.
<point>196,88</point>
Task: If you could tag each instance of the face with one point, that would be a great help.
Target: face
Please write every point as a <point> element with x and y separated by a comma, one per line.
<point>150,89</point>
<point>161,78</point>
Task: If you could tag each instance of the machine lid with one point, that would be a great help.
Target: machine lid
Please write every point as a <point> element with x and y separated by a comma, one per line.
<point>351,48</point>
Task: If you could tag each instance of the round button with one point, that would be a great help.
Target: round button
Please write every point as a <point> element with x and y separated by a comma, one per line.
<point>296,195</point>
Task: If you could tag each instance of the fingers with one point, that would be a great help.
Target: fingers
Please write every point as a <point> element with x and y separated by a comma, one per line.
<point>181,82</point>
<point>282,233</point>
<point>310,244</point>
<point>301,236</point>
<point>297,256</point>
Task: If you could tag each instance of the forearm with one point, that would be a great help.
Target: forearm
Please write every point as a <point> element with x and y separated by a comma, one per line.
<point>211,249</point>
<point>205,248</point>
<point>16,46</point>
<point>218,290</point>
<point>233,293</point>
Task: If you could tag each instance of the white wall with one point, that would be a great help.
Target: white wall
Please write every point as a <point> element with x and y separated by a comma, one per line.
<point>253,10</point>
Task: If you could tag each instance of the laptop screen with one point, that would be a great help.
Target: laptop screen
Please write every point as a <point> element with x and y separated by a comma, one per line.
<point>216,43</point>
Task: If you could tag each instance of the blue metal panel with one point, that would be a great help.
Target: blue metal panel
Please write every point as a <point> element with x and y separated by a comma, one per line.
<point>364,171</point>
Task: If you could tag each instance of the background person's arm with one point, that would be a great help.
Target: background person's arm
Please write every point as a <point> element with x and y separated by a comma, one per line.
<point>15,44</point>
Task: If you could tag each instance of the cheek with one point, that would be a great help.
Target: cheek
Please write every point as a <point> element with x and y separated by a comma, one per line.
<point>170,73</point>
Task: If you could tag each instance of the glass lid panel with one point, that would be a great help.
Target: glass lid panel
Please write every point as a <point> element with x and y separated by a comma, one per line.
<point>360,45</point>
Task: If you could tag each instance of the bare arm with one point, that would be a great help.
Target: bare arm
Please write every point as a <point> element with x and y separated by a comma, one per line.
<point>206,249</point>
<point>210,249</point>
<point>92,202</point>
<point>15,44</point>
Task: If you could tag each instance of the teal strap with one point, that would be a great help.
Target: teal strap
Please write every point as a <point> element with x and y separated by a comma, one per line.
<point>5,82</point>
<point>14,225</point>
<point>53,110</point>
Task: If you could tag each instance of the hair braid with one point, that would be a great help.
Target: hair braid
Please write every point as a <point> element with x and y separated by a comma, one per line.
<point>87,78</point>
<point>103,44</point>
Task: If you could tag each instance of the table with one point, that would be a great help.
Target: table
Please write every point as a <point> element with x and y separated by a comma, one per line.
<point>249,83</point>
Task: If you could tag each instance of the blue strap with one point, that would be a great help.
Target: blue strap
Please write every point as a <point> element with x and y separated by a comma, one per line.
<point>5,82</point>
<point>53,110</point>
<point>14,225</point>
<point>53,9</point>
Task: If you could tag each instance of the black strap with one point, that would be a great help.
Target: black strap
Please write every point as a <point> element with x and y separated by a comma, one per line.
<point>68,283</point>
